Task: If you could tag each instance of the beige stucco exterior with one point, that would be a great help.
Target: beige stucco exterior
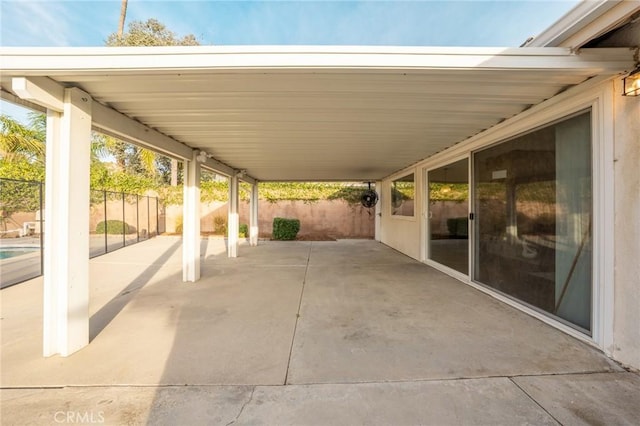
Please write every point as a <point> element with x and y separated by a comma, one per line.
<point>626,346</point>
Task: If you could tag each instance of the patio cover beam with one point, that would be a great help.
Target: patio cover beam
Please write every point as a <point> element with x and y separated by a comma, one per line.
<point>49,94</point>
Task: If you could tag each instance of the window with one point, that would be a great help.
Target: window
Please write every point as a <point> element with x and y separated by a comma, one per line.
<point>533,231</point>
<point>403,195</point>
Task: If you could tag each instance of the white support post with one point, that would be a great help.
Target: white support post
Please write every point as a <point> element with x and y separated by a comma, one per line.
<point>378,210</point>
<point>66,226</point>
<point>234,222</point>
<point>253,219</point>
<point>191,221</point>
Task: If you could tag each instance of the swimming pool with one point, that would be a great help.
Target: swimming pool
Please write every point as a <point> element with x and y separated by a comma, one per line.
<point>7,252</point>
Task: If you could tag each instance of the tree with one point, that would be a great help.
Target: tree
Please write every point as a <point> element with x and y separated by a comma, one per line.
<point>18,142</point>
<point>148,33</point>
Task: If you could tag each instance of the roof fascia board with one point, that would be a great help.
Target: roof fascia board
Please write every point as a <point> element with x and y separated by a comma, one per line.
<point>73,61</point>
<point>585,22</point>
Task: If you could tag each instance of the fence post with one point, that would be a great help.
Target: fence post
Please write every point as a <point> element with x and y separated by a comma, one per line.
<point>157,217</point>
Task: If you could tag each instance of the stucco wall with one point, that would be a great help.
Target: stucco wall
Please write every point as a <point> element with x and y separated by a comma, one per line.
<point>330,219</point>
<point>400,232</point>
<point>627,230</point>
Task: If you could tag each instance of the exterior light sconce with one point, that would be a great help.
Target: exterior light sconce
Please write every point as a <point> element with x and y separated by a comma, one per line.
<point>202,157</point>
<point>631,84</point>
<point>240,173</point>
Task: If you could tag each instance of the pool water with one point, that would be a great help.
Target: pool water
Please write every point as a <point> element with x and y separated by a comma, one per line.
<point>7,252</point>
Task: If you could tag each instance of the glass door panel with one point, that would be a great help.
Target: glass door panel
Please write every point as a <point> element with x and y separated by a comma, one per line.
<point>449,215</point>
<point>533,208</point>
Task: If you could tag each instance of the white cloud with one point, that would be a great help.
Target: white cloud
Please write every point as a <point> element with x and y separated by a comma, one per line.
<point>29,23</point>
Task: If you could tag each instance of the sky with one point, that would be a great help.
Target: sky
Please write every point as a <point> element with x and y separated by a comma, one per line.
<point>270,22</point>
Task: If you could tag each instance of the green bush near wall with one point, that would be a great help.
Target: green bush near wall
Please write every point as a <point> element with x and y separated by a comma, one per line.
<point>458,227</point>
<point>244,230</point>
<point>285,229</point>
<point>113,227</point>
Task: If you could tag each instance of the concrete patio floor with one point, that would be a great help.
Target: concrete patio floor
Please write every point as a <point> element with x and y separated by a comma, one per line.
<point>346,332</point>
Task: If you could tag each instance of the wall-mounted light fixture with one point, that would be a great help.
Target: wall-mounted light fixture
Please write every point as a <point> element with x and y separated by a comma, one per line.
<point>240,173</point>
<point>202,157</point>
<point>631,84</point>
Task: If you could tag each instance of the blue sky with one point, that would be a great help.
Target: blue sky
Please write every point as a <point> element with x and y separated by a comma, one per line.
<point>430,23</point>
<point>270,22</point>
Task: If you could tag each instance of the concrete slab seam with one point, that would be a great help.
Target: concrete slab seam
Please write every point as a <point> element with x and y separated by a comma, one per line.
<point>295,327</point>
<point>534,400</point>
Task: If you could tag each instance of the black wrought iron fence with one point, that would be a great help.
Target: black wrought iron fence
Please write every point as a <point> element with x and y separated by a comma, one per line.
<point>116,220</point>
<point>21,225</point>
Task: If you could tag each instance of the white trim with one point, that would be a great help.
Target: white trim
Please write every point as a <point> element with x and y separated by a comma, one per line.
<point>411,218</point>
<point>118,61</point>
<point>585,22</point>
<point>604,217</point>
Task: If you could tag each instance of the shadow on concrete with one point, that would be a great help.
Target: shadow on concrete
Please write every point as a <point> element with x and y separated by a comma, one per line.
<point>108,312</point>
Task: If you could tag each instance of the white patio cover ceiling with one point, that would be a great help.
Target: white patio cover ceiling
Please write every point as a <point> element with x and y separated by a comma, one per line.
<point>316,113</point>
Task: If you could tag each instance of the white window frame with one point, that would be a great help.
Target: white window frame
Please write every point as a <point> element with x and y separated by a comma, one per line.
<point>415,196</point>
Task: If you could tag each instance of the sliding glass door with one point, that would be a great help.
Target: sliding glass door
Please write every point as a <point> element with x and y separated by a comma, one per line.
<point>533,215</point>
<point>448,215</point>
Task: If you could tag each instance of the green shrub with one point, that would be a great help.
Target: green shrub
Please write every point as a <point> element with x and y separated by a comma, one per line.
<point>179,224</point>
<point>220,225</point>
<point>285,229</point>
<point>458,227</point>
<point>244,230</point>
<point>114,227</point>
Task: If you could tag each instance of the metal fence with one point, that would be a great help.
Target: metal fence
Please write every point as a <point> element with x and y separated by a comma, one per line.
<point>116,220</point>
<point>119,219</point>
<point>21,224</point>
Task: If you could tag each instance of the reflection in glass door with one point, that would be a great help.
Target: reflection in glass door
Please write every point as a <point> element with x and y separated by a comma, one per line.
<point>448,215</point>
<point>533,205</point>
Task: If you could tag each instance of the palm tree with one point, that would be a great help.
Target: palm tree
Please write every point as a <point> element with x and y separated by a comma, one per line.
<point>21,142</point>
<point>123,15</point>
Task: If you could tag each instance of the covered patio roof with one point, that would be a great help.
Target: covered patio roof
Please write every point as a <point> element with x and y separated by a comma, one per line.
<point>306,113</point>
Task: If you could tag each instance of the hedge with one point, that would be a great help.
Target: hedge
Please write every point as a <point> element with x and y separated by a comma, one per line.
<point>285,229</point>
<point>114,227</point>
<point>458,227</point>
